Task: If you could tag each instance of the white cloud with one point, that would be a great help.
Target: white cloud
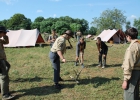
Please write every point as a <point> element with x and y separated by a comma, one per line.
<point>39,11</point>
<point>54,15</point>
<point>8,2</point>
<point>55,0</point>
<point>133,17</point>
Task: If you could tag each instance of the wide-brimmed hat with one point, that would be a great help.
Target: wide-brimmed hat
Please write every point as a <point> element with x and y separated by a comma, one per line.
<point>3,29</point>
<point>70,33</point>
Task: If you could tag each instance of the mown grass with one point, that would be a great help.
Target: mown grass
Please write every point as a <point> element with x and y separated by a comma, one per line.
<point>31,74</point>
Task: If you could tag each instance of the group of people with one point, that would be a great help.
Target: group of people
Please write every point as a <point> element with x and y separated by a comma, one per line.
<point>58,48</point>
<point>131,63</point>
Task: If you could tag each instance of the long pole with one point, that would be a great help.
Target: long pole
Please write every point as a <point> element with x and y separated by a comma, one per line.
<point>70,43</point>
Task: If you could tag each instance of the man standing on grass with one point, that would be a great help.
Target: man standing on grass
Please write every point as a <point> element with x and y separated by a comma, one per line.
<point>57,51</point>
<point>131,66</point>
<point>4,66</point>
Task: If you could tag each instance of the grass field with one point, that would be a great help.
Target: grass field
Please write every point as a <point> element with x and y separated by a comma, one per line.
<point>31,74</point>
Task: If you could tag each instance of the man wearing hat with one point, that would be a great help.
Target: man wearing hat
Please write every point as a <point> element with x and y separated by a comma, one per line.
<point>56,53</point>
<point>4,66</point>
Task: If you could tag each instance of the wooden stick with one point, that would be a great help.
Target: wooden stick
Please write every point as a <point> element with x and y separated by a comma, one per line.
<point>70,43</point>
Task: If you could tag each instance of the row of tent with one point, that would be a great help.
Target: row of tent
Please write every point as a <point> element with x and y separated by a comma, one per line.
<point>23,38</point>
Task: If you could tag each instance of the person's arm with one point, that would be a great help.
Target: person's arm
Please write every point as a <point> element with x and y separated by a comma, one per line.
<point>60,55</point>
<point>59,49</point>
<point>77,48</point>
<point>5,40</point>
<point>105,47</point>
<point>84,45</point>
<point>98,47</point>
<point>128,64</point>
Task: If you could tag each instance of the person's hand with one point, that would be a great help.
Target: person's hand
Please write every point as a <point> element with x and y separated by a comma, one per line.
<point>64,60</point>
<point>124,85</point>
<point>52,40</point>
<point>104,55</point>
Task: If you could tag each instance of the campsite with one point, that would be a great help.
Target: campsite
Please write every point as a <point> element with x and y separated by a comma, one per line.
<point>31,74</point>
<point>69,50</point>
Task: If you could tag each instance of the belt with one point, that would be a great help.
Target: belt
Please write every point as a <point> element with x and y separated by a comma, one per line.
<point>54,52</point>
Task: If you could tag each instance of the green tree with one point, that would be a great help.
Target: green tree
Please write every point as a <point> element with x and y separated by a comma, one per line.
<point>128,24</point>
<point>61,26</point>
<point>92,30</point>
<point>137,24</point>
<point>35,25</point>
<point>75,24</point>
<point>4,23</point>
<point>83,27</point>
<point>19,21</point>
<point>45,26</point>
<point>67,19</point>
<point>39,19</point>
<point>109,19</point>
<point>84,24</point>
<point>53,20</point>
<point>74,27</point>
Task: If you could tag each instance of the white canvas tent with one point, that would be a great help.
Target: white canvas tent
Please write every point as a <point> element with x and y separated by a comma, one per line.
<point>19,38</point>
<point>116,35</point>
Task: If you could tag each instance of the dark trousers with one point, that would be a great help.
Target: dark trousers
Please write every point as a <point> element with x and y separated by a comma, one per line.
<point>103,52</point>
<point>132,91</point>
<point>4,77</point>
<point>55,60</point>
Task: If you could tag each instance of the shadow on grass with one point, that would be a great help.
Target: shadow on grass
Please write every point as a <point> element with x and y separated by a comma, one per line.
<point>40,91</point>
<point>107,66</point>
<point>36,91</point>
<point>97,81</point>
<point>92,65</point>
<point>46,90</point>
<point>73,61</point>
<point>35,79</point>
<point>114,65</point>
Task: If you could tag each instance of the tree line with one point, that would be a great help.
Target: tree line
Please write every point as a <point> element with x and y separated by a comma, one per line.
<point>109,19</point>
<point>19,21</point>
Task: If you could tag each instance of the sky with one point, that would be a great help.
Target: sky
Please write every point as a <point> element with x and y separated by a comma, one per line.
<point>82,9</point>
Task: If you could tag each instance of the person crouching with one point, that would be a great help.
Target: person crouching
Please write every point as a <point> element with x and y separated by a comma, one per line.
<point>81,45</point>
<point>102,49</point>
